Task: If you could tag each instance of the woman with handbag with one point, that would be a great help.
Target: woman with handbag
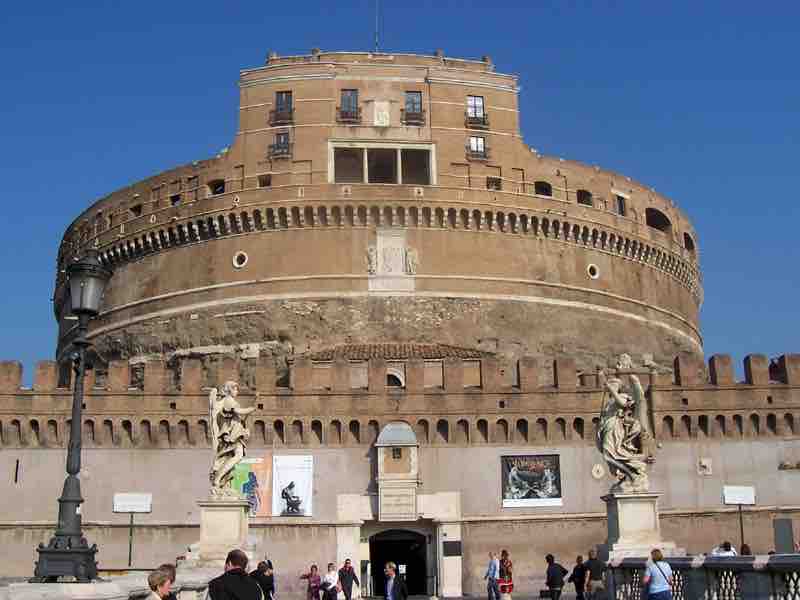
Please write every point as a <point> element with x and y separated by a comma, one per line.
<point>658,577</point>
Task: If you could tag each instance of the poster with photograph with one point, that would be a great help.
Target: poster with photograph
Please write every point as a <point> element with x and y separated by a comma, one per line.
<point>531,480</point>
<point>292,485</point>
<point>253,479</point>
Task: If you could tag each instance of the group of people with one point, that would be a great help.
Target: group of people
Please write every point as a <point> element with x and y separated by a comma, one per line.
<point>333,582</point>
<point>586,576</point>
<point>499,575</point>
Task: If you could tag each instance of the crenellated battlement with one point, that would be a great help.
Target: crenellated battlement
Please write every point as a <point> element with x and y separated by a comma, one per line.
<point>448,401</point>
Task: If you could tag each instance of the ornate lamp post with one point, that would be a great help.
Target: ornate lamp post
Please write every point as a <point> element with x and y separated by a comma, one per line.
<point>68,554</point>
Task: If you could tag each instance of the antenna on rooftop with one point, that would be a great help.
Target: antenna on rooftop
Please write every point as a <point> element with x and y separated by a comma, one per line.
<point>377,8</point>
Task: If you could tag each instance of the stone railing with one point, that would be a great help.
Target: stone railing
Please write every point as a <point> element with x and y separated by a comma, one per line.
<point>192,584</point>
<point>774,577</point>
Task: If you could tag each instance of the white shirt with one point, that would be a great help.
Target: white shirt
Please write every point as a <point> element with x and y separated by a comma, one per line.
<point>331,578</point>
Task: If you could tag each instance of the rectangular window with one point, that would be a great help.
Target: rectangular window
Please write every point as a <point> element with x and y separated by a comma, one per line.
<point>283,101</point>
<point>349,101</point>
<point>477,144</point>
<point>348,165</point>
<point>494,183</point>
<point>282,139</point>
<point>475,107</point>
<point>382,165</point>
<point>136,210</point>
<point>175,199</point>
<point>264,181</point>
<point>397,453</point>
<point>621,205</point>
<point>416,167</point>
<point>414,102</point>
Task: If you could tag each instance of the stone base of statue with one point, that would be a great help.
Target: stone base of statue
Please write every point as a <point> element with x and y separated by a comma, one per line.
<point>223,527</point>
<point>634,528</point>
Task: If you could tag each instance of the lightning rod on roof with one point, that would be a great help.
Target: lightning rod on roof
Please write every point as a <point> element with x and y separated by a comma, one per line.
<point>376,24</point>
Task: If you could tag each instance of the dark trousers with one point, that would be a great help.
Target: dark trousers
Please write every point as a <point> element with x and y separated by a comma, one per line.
<point>579,587</point>
<point>492,589</point>
<point>347,591</point>
<point>555,593</point>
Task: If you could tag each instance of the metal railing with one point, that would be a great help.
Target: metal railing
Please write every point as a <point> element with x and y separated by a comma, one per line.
<point>775,577</point>
<point>476,121</point>
<point>473,154</point>
<point>348,115</point>
<point>280,150</point>
<point>281,116</point>
<point>416,118</point>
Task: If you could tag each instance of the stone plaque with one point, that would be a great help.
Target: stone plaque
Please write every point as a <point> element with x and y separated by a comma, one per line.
<point>391,264</point>
<point>382,114</point>
<point>397,503</point>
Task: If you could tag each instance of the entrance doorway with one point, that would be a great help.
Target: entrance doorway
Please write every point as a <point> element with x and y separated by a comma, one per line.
<point>401,547</point>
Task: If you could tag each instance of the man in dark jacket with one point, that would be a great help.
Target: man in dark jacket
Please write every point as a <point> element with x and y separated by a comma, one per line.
<point>235,583</point>
<point>555,577</point>
<point>395,586</point>
<point>265,577</point>
<point>346,578</point>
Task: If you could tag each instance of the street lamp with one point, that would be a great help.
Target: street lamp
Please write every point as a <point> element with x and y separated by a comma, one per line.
<point>68,554</point>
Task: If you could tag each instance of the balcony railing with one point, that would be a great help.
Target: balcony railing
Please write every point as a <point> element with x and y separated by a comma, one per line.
<point>281,116</point>
<point>348,115</point>
<point>415,118</point>
<point>476,122</point>
<point>280,150</point>
<point>473,154</point>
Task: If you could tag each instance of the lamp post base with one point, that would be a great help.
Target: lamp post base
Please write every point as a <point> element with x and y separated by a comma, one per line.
<point>56,560</point>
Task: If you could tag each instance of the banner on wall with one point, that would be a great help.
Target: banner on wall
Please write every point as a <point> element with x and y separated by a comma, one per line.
<point>253,478</point>
<point>531,480</point>
<point>292,485</point>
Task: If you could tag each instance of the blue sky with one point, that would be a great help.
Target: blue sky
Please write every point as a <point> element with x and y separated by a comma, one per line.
<point>700,100</point>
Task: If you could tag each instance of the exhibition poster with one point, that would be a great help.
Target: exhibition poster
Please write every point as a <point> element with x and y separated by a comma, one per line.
<point>531,480</point>
<point>292,485</point>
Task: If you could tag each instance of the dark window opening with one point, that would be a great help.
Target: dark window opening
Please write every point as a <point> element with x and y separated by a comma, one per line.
<point>216,186</point>
<point>416,167</point>
<point>283,101</point>
<point>264,181</point>
<point>284,111</point>
<point>412,111</point>
<point>494,183</point>
<point>348,165</point>
<point>382,165</point>
<point>16,472</point>
<point>136,210</point>
<point>542,188</point>
<point>282,147</point>
<point>621,207</point>
<point>585,198</point>
<point>657,220</point>
<point>688,242</point>
<point>397,453</point>
<point>393,381</point>
<point>349,111</point>
<point>175,199</point>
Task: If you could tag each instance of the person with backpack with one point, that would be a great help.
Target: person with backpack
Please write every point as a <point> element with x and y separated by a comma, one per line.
<point>554,577</point>
<point>578,577</point>
<point>658,577</point>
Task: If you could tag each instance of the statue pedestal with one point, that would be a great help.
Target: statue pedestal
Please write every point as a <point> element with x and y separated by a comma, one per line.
<point>634,528</point>
<point>223,527</point>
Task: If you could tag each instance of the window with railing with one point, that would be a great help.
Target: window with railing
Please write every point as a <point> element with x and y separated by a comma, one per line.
<point>282,148</point>
<point>476,147</point>
<point>412,113</point>
<point>349,111</point>
<point>284,110</point>
<point>476,114</point>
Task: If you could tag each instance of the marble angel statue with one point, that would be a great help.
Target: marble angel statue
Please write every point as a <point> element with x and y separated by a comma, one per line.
<point>624,435</point>
<point>229,435</point>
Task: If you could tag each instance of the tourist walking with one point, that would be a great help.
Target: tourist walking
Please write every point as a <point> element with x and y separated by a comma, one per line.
<point>347,576</point>
<point>506,581</point>
<point>330,583</point>
<point>492,574</point>
<point>314,581</point>
<point>554,577</point>
<point>265,577</point>
<point>578,577</point>
<point>658,577</point>
<point>395,586</point>
<point>595,568</point>
<point>173,574</point>
<point>235,583</point>
<point>160,584</point>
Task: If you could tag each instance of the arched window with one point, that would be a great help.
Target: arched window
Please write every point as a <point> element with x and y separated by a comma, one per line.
<point>657,220</point>
<point>585,198</point>
<point>688,242</point>
<point>542,188</point>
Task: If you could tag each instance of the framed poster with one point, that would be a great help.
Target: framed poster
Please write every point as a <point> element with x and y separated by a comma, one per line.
<point>292,485</point>
<point>531,480</point>
<point>252,478</point>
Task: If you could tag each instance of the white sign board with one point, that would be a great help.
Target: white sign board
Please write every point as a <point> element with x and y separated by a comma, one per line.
<point>738,494</point>
<point>292,485</point>
<point>133,503</point>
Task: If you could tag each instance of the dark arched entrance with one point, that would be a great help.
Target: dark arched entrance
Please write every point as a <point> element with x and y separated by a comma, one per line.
<point>401,547</point>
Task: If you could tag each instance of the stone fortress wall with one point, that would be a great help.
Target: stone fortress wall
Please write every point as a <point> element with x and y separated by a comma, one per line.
<point>515,252</point>
<point>151,434</point>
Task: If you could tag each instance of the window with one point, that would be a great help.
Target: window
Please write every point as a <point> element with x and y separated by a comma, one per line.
<point>282,139</point>
<point>414,102</point>
<point>348,165</point>
<point>657,220</point>
<point>494,183</point>
<point>283,101</point>
<point>216,186</point>
<point>264,181</point>
<point>282,148</point>
<point>688,242</point>
<point>542,188</point>
<point>416,167</point>
<point>476,147</point>
<point>397,453</point>
<point>175,199</point>
<point>136,210</point>
<point>585,198</point>
<point>621,207</point>
<point>382,165</point>
<point>475,107</point>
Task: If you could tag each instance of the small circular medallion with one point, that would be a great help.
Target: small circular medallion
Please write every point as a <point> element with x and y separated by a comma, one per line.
<point>598,472</point>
